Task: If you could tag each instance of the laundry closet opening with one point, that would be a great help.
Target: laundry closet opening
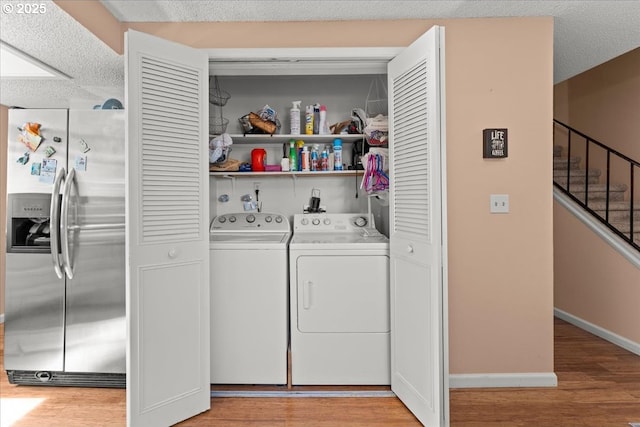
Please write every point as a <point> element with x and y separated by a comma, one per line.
<point>300,305</point>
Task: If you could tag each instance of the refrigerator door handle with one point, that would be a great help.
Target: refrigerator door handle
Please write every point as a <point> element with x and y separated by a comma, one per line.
<point>64,223</point>
<point>54,225</point>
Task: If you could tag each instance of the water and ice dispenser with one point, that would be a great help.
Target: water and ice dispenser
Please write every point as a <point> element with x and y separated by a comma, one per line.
<point>28,220</point>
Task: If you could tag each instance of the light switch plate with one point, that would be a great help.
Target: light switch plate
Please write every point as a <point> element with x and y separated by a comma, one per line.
<point>499,203</point>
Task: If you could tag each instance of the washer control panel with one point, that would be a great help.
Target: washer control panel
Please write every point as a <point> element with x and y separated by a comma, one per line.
<point>252,221</point>
<point>330,223</point>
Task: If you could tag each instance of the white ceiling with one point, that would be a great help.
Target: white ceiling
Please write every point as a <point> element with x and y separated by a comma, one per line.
<point>586,34</point>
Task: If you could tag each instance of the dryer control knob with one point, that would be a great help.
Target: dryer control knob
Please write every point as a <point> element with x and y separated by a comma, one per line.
<point>361,221</point>
<point>268,218</point>
<point>316,221</point>
<point>232,219</point>
<point>327,221</point>
<point>278,219</point>
<point>222,220</point>
<point>304,221</point>
<point>251,218</point>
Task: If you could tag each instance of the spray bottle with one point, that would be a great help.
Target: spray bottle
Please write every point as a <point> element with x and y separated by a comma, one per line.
<point>295,117</point>
<point>308,120</point>
<point>323,128</point>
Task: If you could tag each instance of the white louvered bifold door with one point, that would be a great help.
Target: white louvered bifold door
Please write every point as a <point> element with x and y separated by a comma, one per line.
<point>418,366</point>
<point>167,231</point>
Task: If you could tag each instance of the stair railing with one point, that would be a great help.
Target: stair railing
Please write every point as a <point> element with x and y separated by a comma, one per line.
<point>632,165</point>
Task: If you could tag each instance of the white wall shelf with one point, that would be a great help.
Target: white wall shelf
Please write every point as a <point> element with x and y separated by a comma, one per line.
<point>344,173</point>
<point>282,138</point>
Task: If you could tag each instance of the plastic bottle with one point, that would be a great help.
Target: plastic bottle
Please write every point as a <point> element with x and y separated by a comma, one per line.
<point>337,154</point>
<point>308,120</point>
<point>293,156</point>
<point>315,161</point>
<point>305,159</point>
<point>295,117</point>
<point>324,161</point>
<point>316,119</point>
<point>323,128</point>
<point>299,145</point>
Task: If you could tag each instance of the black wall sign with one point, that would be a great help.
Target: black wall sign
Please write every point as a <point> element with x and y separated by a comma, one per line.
<point>494,143</point>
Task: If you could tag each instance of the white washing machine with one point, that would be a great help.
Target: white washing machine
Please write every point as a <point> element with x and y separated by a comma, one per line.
<point>249,294</point>
<point>339,299</point>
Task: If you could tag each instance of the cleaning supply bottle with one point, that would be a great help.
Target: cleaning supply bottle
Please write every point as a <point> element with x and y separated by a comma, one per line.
<point>299,145</point>
<point>324,160</point>
<point>295,117</point>
<point>293,156</point>
<point>323,128</point>
<point>315,158</point>
<point>337,154</point>
<point>305,159</point>
<point>308,120</point>
<point>316,118</point>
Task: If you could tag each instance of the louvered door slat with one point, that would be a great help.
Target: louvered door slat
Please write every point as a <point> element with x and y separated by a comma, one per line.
<point>161,90</point>
<point>171,116</point>
<point>171,138</point>
<point>411,153</point>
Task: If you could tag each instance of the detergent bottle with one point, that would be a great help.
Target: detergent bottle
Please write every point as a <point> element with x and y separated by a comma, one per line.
<point>293,156</point>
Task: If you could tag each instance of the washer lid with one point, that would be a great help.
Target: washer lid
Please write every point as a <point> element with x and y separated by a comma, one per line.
<point>254,237</point>
<point>331,241</point>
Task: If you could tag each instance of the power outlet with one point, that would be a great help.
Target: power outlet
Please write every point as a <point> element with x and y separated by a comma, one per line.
<point>499,203</point>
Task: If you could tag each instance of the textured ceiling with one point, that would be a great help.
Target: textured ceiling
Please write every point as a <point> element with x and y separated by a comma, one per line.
<point>586,34</point>
<point>58,40</point>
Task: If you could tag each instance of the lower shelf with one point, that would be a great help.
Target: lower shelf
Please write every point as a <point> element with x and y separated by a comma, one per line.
<point>290,174</point>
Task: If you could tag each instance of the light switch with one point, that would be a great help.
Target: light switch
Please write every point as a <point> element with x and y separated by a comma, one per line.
<point>499,203</point>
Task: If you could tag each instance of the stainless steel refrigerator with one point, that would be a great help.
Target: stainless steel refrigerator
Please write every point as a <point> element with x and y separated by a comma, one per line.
<point>65,266</point>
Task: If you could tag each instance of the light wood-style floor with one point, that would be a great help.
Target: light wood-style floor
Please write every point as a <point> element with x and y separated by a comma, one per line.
<point>598,386</point>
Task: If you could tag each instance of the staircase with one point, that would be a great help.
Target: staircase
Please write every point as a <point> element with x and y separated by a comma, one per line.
<point>571,177</point>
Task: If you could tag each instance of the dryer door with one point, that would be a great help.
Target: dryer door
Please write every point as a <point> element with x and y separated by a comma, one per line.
<point>343,293</point>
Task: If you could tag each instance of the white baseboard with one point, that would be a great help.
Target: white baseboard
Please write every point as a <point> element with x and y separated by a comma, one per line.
<point>596,330</point>
<point>534,379</point>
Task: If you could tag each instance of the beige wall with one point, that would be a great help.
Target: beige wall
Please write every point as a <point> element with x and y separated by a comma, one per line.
<point>498,74</point>
<point>4,118</point>
<point>592,281</point>
<point>604,103</point>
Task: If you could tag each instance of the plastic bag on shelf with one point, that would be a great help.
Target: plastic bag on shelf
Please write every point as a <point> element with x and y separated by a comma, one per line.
<point>219,149</point>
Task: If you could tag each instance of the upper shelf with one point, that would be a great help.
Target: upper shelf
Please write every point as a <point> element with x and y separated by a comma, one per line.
<point>282,138</point>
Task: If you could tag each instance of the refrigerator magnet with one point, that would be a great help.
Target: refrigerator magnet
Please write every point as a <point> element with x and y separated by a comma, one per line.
<point>84,145</point>
<point>81,163</point>
<point>48,170</point>
<point>24,159</point>
<point>35,168</point>
<point>49,151</point>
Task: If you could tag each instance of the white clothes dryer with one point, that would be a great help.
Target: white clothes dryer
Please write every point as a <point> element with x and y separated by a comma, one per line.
<point>249,293</point>
<point>339,301</point>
